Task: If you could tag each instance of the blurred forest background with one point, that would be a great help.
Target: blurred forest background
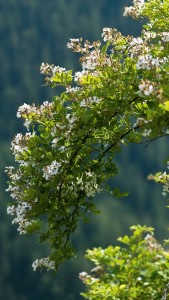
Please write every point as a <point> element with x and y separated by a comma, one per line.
<point>36,31</point>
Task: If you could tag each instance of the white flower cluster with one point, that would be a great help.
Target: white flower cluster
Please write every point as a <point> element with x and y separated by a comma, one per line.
<point>152,243</point>
<point>26,109</point>
<point>71,119</point>
<point>166,292</point>
<point>45,105</point>
<point>148,62</point>
<point>140,122</point>
<point>140,46</point>
<point>107,34</point>
<point>20,212</point>
<point>58,69</point>
<point>94,59</point>
<point>89,101</point>
<point>70,122</point>
<point>146,132</point>
<point>31,112</point>
<point>88,183</point>
<point>75,45</point>
<point>149,35</point>
<point>137,47</point>
<point>84,277</point>
<point>47,69</point>
<point>55,142</point>
<point>165,178</point>
<point>70,89</point>
<point>51,71</point>
<point>135,10</point>
<point>19,145</point>
<point>78,75</point>
<point>9,171</point>
<point>91,60</point>
<point>51,170</point>
<point>14,190</point>
<point>130,11</point>
<point>54,129</point>
<point>15,144</point>
<point>164,36</point>
<point>43,263</point>
<point>138,3</point>
<point>136,41</point>
<point>146,87</point>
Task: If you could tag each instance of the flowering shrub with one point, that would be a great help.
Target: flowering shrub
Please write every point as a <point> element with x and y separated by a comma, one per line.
<point>67,154</point>
<point>138,270</point>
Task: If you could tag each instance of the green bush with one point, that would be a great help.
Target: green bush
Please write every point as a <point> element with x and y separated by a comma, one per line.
<point>137,270</point>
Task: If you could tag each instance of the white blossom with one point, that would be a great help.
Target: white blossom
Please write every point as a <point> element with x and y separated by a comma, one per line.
<point>135,10</point>
<point>46,69</point>
<point>55,142</point>
<point>130,11</point>
<point>46,105</point>
<point>107,34</point>
<point>164,36</point>
<point>19,146</point>
<point>146,87</point>
<point>78,75</point>
<point>14,191</point>
<point>71,120</point>
<point>19,211</point>
<point>89,101</point>
<point>27,124</point>
<point>70,89</point>
<point>148,35</point>
<point>136,41</point>
<point>58,69</point>
<point>139,122</point>
<point>165,177</point>
<point>22,109</point>
<point>138,3</point>
<point>26,109</point>
<point>139,278</point>
<point>91,60</point>
<point>75,45</point>
<point>88,183</point>
<point>51,170</point>
<point>148,62</point>
<point>146,132</point>
<point>11,210</point>
<point>43,263</point>
<point>61,149</point>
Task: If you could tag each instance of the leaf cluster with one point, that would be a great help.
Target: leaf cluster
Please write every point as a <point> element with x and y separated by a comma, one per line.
<point>139,269</point>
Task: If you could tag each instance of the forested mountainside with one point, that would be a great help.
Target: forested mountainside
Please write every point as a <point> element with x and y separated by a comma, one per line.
<point>33,32</point>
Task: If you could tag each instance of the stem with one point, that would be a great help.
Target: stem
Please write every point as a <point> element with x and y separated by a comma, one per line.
<point>76,209</point>
<point>115,143</point>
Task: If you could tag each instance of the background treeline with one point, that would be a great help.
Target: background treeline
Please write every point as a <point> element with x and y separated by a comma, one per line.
<point>32,32</point>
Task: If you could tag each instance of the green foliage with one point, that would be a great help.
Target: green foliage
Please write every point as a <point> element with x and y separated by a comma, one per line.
<point>68,152</point>
<point>137,270</point>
